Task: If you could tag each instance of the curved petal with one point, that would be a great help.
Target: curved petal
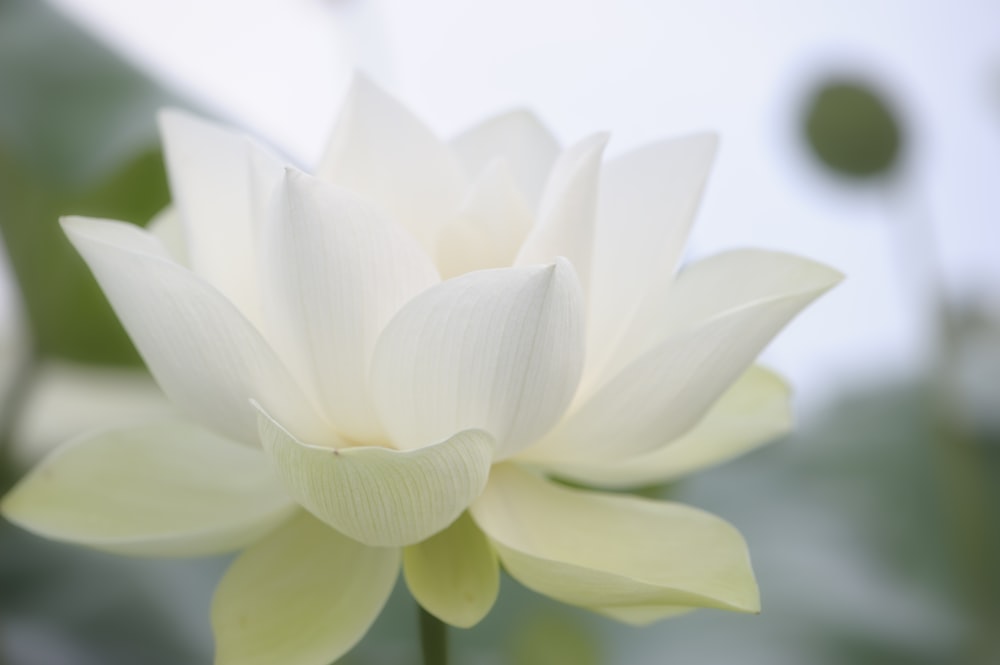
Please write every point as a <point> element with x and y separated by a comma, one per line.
<point>167,227</point>
<point>752,412</point>
<point>642,615</point>
<point>208,358</point>
<point>212,172</point>
<point>566,215</point>
<point>454,574</point>
<point>489,228</point>
<point>163,489</point>
<point>378,496</point>
<point>521,139</point>
<point>608,551</point>
<point>720,315</point>
<point>648,201</point>
<point>382,152</point>
<point>336,272</point>
<point>303,596</point>
<point>498,350</point>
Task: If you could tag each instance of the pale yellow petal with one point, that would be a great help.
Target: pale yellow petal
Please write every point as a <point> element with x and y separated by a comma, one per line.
<point>164,489</point>
<point>379,496</point>
<point>454,574</point>
<point>754,411</point>
<point>303,596</point>
<point>608,551</point>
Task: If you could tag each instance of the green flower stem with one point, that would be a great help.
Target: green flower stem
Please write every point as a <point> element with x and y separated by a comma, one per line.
<point>433,639</point>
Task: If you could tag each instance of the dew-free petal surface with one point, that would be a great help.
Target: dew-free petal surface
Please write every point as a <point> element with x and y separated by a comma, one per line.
<point>161,489</point>
<point>206,356</point>
<point>305,595</point>
<point>454,574</point>
<point>498,350</point>
<point>718,317</point>
<point>647,205</point>
<point>336,272</point>
<point>611,551</point>
<point>384,153</point>
<point>753,411</point>
<point>518,137</point>
<point>214,173</point>
<point>378,496</point>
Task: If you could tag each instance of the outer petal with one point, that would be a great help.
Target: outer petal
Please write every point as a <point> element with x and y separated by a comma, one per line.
<point>489,228</point>
<point>164,489</point>
<point>169,230</point>
<point>209,360</point>
<point>648,202</point>
<point>337,272</point>
<point>521,139</point>
<point>378,496</point>
<point>382,152</point>
<point>711,338</point>
<point>566,216</point>
<point>498,350</point>
<point>212,173</point>
<point>454,574</point>
<point>611,551</point>
<point>304,596</point>
<point>752,412</point>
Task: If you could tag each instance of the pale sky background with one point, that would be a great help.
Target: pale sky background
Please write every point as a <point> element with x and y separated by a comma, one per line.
<point>645,69</point>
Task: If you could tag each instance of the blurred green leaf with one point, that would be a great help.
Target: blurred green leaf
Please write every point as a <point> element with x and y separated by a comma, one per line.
<point>555,639</point>
<point>77,136</point>
<point>852,130</point>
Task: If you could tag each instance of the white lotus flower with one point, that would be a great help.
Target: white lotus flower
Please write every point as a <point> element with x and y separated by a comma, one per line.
<point>387,361</point>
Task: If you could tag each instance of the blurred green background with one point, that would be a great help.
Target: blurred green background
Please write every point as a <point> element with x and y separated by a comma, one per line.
<point>875,528</point>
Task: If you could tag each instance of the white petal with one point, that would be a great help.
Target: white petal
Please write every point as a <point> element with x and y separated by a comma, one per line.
<point>379,496</point>
<point>565,225</point>
<point>336,273</point>
<point>608,551</point>
<point>304,596</point>
<point>169,230</point>
<point>498,350</point>
<point>711,337</point>
<point>454,574</point>
<point>489,228</point>
<point>521,139</point>
<point>208,358</point>
<point>212,173</point>
<point>647,204</point>
<point>754,411</point>
<point>382,152</point>
<point>163,489</point>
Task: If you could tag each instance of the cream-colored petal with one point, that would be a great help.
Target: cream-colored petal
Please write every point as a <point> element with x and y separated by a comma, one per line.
<point>454,574</point>
<point>379,496</point>
<point>642,615</point>
<point>567,213</point>
<point>647,205</point>
<point>489,228</point>
<point>335,273</point>
<point>497,350</point>
<point>381,151</point>
<point>162,489</point>
<point>711,337</point>
<point>207,357</point>
<point>303,596</point>
<point>609,551</point>
<point>213,174</point>
<point>518,137</point>
<point>167,227</point>
<point>752,412</point>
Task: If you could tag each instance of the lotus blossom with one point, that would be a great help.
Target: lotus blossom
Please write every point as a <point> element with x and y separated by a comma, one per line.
<point>394,362</point>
